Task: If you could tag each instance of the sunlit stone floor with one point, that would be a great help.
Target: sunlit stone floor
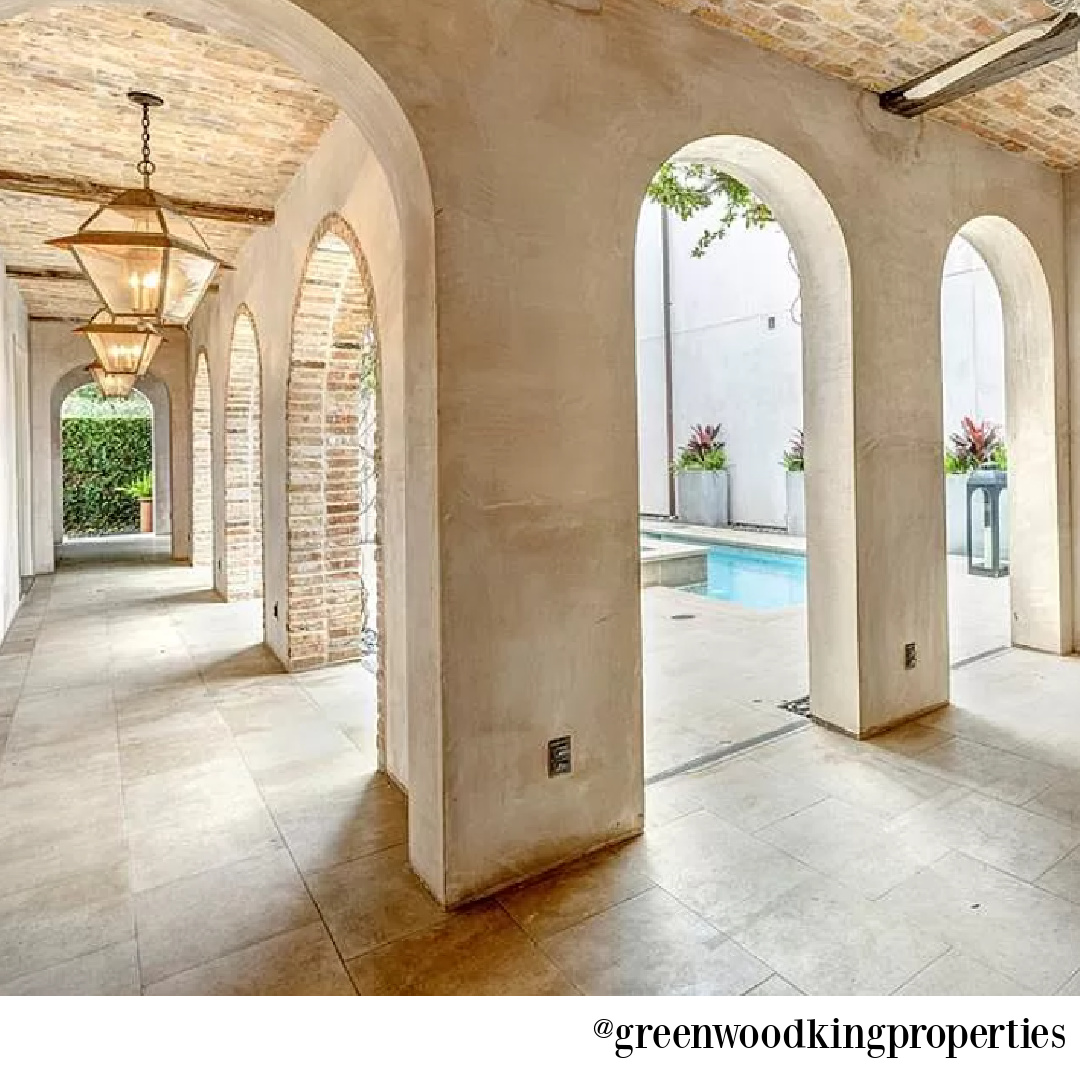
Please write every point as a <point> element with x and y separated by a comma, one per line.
<point>178,816</point>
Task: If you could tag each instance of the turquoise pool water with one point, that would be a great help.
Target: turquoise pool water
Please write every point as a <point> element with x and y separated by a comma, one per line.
<point>752,577</point>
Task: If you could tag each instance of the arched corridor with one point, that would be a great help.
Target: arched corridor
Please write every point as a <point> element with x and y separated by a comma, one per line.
<point>367,713</point>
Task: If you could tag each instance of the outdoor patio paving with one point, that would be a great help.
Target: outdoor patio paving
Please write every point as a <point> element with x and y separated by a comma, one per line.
<point>178,816</point>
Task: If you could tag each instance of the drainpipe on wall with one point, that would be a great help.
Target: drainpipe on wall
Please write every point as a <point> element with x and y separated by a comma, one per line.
<point>665,287</point>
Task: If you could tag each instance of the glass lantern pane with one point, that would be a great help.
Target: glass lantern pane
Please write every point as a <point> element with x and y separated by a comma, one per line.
<point>129,279</point>
<point>182,229</point>
<point>189,276</point>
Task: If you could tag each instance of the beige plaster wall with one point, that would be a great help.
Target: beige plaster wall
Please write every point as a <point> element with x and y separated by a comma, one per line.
<point>14,461</point>
<point>58,359</point>
<point>540,126</point>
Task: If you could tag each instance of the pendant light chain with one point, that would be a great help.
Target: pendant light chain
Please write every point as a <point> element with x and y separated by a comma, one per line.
<point>146,167</point>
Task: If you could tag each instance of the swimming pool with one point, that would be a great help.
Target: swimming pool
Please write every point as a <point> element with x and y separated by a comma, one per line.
<point>751,576</point>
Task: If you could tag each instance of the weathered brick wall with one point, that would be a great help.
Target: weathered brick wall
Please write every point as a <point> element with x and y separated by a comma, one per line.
<point>202,521</point>
<point>243,570</point>
<point>331,453</point>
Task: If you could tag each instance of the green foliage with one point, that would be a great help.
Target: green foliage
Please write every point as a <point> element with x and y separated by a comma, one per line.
<point>688,189</point>
<point>705,450</point>
<point>793,455</point>
<point>87,401</point>
<point>101,456</point>
<point>977,445</point>
<point>142,487</point>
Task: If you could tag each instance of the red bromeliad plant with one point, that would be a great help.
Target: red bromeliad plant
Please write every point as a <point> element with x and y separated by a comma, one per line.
<point>704,449</point>
<point>974,446</point>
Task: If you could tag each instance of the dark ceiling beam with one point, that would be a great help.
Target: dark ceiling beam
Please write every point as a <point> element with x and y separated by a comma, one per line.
<point>35,273</point>
<point>1007,58</point>
<point>76,190</point>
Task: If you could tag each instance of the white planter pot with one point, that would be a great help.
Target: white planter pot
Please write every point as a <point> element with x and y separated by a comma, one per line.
<point>796,503</point>
<point>703,497</point>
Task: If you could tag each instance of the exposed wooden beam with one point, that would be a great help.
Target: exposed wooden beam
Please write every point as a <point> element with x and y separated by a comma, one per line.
<point>51,273</point>
<point>1009,57</point>
<point>77,190</point>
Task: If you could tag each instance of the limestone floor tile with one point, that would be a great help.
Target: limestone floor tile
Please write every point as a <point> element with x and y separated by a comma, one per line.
<point>1061,800</point>
<point>1019,930</point>
<point>876,782</point>
<point>719,872</point>
<point>997,773</point>
<point>85,755</point>
<point>567,896</point>
<point>1063,878</point>
<point>292,741</point>
<point>176,742</point>
<point>112,972</point>
<point>651,944</point>
<point>957,975</point>
<point>299,962</point>
<point>750,795</point>
<point>852,846</point>
<point>335,810</point>
<point>774,986</point>
<point>667,800</point>
<point>826,940</point>
<point>479,951</point>
<point>997,833</point>
<point>49,925</point>
<point>285,707</point>
<point>373,900</point>
<point>188,922</point>
<point>191,820</point>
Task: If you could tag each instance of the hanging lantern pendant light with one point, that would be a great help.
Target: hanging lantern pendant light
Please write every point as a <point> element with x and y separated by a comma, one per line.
<point>143,257</point>
<point>123,346</point>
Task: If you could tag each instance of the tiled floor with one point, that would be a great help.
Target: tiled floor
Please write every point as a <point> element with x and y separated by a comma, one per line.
<point>178,816</point>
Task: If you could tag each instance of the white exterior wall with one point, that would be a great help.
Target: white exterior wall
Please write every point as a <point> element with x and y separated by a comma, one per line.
<point>14,465</point>
<point>729,366</point>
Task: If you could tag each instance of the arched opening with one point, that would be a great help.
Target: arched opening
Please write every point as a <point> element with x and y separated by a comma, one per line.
<point>107,450</point>
<point>243,560</point>
<point>1021,349</point>
<point>818,324</point>
<point>332,448</point>
<point>155,394</point>
<point>202,501</point>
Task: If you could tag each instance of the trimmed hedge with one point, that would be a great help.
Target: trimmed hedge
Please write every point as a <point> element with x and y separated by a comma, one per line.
<point>101,455</point>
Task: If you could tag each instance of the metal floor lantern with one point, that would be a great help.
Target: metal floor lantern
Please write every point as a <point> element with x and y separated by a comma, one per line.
<point>992,485</point>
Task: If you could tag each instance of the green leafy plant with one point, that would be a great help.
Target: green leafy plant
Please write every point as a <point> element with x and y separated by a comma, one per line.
<point>101,455</point>
<point>142,487</point>
<point>703,451</point>
<point>977,445</point>
<point>687,189</point>
<point>793,455</point>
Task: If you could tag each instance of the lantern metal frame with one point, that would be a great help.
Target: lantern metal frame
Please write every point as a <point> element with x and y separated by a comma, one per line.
<point>165,248</point>
<point>112,384</point>
<point>104,325</point>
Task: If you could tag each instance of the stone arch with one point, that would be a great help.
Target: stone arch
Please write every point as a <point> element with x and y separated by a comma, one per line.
<point>332,449</point>
<point>243,559</point>
<point>202,502</point>
<point>820,248</point>
<point>1040,575</point>
<point>156,392</point>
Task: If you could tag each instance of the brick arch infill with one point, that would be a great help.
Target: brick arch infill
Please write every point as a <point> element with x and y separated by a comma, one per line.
<point>243,524</point>
<point>202,458</point>
<point>326,597</point>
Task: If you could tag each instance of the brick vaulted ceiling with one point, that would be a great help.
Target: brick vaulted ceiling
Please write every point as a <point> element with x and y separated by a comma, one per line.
<point>878,44</point>
<point>236,126</point>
